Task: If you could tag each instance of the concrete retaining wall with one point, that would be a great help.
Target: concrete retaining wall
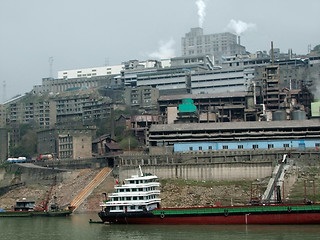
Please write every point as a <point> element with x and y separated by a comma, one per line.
<point>203,172</point>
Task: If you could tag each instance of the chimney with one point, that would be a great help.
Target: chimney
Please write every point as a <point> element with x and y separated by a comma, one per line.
<point>272,54</point>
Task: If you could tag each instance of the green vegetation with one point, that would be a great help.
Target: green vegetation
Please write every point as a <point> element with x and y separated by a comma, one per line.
<point>123,136</point>
<point>129,142</point>
<point>28,143</point>
<point>306,186</point>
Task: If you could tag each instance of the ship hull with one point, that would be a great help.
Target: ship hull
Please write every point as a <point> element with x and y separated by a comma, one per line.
<point>231,215</point>
<point>35,213</point>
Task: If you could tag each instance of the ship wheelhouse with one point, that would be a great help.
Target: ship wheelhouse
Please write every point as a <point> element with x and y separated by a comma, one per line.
<point>137,194</point>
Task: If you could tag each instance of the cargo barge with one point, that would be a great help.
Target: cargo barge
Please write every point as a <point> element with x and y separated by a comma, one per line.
<point>25,208</point>
<point>137,202</point>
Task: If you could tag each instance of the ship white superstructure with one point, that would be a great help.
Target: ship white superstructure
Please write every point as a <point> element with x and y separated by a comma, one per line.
<point>137,194</point>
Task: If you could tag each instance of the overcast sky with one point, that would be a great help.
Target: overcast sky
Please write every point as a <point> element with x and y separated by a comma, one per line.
<point>92,33</point>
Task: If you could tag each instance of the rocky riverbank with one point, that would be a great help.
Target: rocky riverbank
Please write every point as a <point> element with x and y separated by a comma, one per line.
<point>174,193</point>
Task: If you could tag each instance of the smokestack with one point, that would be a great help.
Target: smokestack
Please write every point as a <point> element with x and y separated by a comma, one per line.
<point>272,57</point>
<point>239,39</point>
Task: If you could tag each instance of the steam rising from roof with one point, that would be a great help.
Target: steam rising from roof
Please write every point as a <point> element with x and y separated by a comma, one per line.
<point>201,11</point>
<point>240,27</point>
<point>165,51</point>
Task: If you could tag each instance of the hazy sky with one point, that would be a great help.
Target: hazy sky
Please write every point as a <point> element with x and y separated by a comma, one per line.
<point>90,33</point>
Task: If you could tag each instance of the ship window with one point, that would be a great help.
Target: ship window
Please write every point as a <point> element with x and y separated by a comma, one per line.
<point>141,189</point>
<point>225,147</point>
<point>132,207</point>
<point>121,190</point>
<point>286,145</point>
<point>240,146</point>
<point>210,147</point>
<point>270,146</point>
<point>134,189</point>
<point>134,198</point>
<point>128,198</point>
<point>131,181</point>
<point>120,207</point>
<point>140,198</point>
<point>128,190</point>
<point>255,146</point>
<point>139,207</point>
<point>115,199</point>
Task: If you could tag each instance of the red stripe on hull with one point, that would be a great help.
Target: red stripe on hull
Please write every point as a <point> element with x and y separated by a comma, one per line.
<point>290,218</point>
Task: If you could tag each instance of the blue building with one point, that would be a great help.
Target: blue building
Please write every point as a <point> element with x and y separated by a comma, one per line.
<point>247,145</point>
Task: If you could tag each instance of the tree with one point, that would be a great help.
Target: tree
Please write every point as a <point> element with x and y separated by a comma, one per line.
<point>129,143</point>
<point>28,143</point>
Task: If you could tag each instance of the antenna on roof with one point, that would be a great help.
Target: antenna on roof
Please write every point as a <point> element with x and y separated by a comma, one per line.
<point>141,173</point>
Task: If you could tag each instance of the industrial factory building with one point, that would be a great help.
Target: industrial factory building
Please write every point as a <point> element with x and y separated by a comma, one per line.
<point>199,136</point>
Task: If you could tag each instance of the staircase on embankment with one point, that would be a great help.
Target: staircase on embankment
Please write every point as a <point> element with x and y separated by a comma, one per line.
<point>101,176</point>
<point>278,176</point>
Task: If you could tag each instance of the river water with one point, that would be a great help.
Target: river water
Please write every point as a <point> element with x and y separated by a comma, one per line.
<point>77,227</point>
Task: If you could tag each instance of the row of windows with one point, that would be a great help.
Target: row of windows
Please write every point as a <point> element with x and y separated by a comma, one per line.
<point>254,146</point>
<point>122,207</point>
<point>65,139</point>
<point>136,189</point>
<point>65,154</point>
<point>65,146</point>
<point>133,198</point>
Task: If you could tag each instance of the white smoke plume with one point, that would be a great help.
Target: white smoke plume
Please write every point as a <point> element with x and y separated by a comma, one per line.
<point>201,11</point>
<point>165,50</point>
<point>240,27</point>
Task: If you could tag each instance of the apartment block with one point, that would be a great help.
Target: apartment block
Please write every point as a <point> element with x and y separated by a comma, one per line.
<point>38,111</point>
<point>82,107</point>
<point>50,85</point>
<point>144,97</point>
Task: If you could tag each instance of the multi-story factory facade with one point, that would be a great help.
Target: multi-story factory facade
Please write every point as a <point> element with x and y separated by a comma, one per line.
<point>222,107</point>
<point>65,143</point>
<point>193,73</point>
<point>218,45</point>
<point>195,135</point>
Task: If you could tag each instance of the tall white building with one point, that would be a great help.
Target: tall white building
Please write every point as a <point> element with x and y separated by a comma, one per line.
<point>90,72</point>
<point>219,45</point>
